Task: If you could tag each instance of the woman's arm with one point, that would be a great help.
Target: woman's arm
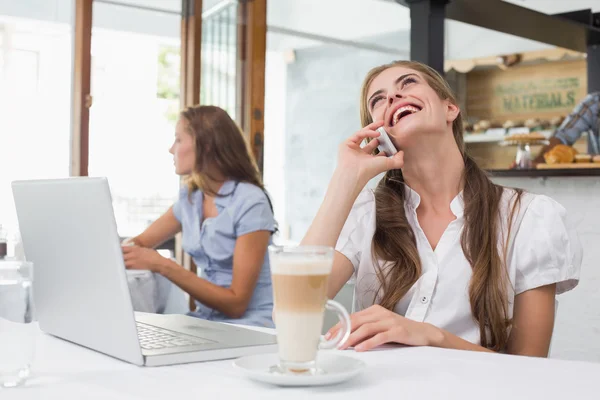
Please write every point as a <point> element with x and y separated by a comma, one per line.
<point>248,258</point>
<point>533,322</point>
<point>356,166</point>
<point>327,225</point>
<point>340,274</point>
<point>164,228</point>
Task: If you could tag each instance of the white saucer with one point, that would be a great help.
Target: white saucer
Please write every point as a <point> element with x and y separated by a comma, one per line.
<point>336,368</point>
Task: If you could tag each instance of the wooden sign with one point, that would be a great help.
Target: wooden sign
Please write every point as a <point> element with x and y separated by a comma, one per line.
<point>543,90</point>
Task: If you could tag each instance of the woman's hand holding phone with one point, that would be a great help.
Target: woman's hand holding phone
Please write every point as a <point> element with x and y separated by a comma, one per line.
<point>361,161</point>
<point>385,143</point>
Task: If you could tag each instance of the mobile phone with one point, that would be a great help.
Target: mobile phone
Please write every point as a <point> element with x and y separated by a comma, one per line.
<point>385,143</point>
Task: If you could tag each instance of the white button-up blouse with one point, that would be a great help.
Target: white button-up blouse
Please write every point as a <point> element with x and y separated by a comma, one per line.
<point>542,250</point>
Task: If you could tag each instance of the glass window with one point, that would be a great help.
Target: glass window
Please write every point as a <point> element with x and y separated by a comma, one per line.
<point>35,98</point>
<point>135,89</point>
<point>219,55</point>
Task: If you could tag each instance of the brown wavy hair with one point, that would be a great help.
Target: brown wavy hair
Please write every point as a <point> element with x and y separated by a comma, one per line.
<point>394,240</point>
<point>219,144</point>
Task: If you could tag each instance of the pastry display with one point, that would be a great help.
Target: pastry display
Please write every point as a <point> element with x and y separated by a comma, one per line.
<point>467,127</point>
<point>482,126</point>
<point>545,124</point>
<point>533,123</point>
<point>583,158</point>
<point>512,124</point>
<point>560,154</point>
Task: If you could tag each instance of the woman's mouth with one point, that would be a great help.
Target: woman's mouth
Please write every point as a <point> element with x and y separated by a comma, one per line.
<point>403,112</point>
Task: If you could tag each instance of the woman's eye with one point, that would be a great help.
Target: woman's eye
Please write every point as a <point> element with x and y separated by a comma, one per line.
<point>376,100</point>
<point>408,81</point>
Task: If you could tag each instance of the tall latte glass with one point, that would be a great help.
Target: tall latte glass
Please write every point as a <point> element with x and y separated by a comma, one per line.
<point>300,277</point>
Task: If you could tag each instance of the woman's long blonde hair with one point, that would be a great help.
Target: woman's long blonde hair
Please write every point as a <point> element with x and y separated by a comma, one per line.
<point>394,239</point>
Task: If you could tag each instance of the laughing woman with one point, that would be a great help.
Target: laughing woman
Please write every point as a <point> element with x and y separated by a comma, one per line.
<point>442,256</point>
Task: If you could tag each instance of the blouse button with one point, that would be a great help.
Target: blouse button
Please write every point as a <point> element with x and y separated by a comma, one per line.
<point>424,299</point>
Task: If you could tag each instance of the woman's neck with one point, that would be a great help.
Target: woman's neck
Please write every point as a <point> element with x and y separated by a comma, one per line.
<point>435,172</point>
<point>214,181</point>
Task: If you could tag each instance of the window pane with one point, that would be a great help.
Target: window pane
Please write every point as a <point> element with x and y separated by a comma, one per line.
<point>135,90</point>
<point>35,97</point>
<point>314,70</point>
<point>219,54</point>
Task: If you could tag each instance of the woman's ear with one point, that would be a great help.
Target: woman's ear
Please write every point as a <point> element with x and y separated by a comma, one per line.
<point>452,112</point>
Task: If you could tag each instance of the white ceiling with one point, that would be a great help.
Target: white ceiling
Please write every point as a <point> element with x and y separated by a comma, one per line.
<point>365,20</point>
<point>341,19</point>
<point>323,6</point>
<point>375,21</point>
<point>359,21</point>
<point>467,41</point>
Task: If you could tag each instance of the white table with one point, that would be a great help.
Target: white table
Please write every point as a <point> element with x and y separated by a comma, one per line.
<point>66,371</point>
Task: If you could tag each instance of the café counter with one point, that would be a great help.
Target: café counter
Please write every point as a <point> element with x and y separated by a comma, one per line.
<point>544,173</point>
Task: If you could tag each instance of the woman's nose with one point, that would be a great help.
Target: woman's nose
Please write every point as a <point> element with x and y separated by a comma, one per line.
<point>394,95</point>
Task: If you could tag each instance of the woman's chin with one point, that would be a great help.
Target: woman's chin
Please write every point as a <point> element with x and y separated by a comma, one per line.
<point>402,137</point>
<point>180,172</point>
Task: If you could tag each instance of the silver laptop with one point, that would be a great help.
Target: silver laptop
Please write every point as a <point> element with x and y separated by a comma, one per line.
<point>80,286</point>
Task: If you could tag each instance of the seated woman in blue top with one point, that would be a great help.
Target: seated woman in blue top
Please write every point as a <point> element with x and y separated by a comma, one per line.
<point>226,220</point>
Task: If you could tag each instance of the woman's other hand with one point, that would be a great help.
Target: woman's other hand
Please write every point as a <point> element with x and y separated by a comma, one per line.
<point>376,325</point>
<point>137,257</point>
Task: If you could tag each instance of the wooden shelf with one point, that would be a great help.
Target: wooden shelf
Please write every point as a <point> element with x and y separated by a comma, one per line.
<point>543,173</point>
<point>569,166</point>
<point>496,137</point>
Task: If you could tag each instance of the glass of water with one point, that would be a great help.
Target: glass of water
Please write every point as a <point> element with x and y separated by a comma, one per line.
<point>17,333</point>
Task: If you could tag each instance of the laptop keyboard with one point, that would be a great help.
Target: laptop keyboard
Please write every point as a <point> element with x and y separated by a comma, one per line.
<point>152,338</point>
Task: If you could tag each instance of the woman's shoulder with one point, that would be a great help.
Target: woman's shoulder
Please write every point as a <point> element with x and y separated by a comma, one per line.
<point>248,195</point>
<point>546,247</point>
<point>251,209</point>
<point>528,203</point>
<point>249,192</point>
<point>543,205</point>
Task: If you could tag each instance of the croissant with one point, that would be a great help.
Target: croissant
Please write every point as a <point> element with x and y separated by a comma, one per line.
<point>560,154</point>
